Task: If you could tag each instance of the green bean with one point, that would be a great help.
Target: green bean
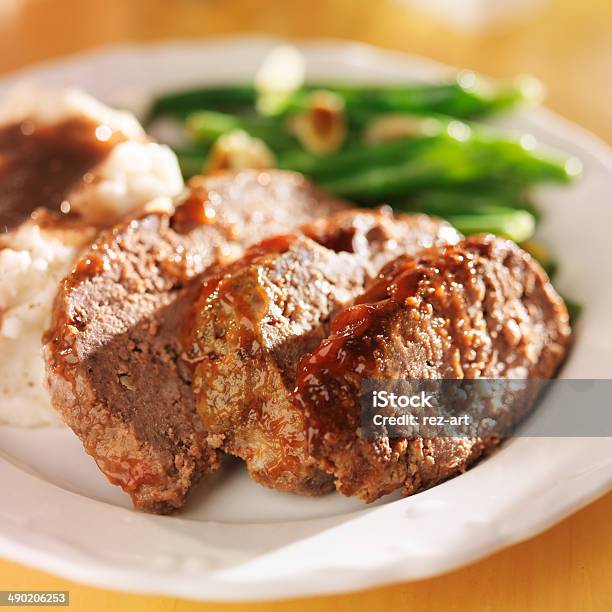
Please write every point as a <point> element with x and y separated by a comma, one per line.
<point>449,98</point>
<point>217,97</point>
<point>468,199</point>
<point>471,216</point>
<point>395,169</point>
<point>517,225</point>
<point>207,126</point>
<point>359,157</point>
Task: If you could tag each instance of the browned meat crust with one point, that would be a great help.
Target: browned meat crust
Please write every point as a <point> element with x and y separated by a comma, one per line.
<point>262,313</point>
<point>482,309</point>
<point>113,352</point>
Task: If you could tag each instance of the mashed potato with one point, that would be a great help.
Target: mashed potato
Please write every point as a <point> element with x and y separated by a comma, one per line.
<point>34,259</point>
<point>31,267</point>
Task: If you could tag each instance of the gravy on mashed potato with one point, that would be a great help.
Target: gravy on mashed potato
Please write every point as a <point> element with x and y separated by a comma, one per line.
<point>40,165</point>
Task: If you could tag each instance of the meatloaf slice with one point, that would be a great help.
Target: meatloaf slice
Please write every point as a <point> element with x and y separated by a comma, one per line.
<point>480,309</point>
<point>257,318</point>
<point>113,352</point>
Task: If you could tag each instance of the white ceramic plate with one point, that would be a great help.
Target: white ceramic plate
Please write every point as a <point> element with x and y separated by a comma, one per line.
<point>237,540</point>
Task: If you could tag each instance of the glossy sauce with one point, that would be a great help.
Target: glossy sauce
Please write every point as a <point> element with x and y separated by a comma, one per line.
<point>218,286</point>
<point>274,245</point>
<point>41,164</point>
<point>348,355</point>
<point>86,268</point>
<point>196,210</point>
<point>335,356</point>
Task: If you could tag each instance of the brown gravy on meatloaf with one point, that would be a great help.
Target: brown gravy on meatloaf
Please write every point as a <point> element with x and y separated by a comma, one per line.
<point>269,246</point>
<point>379,299</point>
<point>235,299</point>
<point>41,164</point>
<point>196,210</point>
<point>349,349</point>
<point>397,282</point>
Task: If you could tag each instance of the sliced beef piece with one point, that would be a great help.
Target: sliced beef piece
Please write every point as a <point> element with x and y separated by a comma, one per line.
<point>113,352</point>
<point>480,309</point>
<point>257,318</point>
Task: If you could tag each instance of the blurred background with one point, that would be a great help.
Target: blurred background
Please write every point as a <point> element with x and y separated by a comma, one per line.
<point>567,43</point>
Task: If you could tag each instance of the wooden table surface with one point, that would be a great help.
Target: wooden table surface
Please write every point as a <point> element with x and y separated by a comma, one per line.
<point>569,46</point>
